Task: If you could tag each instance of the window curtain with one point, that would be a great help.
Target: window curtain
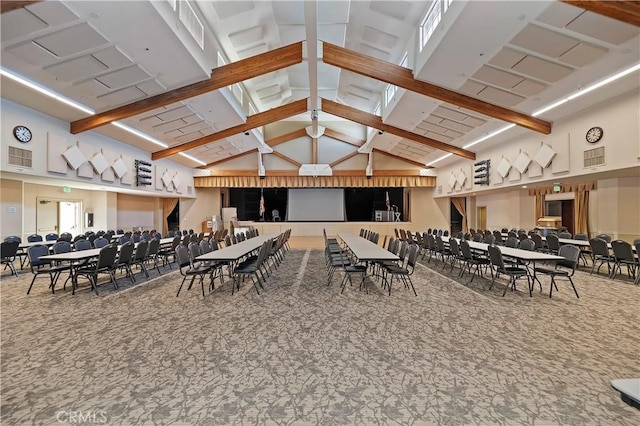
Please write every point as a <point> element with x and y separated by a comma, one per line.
<point>582,213</point>
<point>168,204</point>
<point>459,203</point>
<point>539,206</point>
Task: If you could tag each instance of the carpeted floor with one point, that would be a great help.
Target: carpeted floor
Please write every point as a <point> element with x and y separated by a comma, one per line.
<point>301,353</point>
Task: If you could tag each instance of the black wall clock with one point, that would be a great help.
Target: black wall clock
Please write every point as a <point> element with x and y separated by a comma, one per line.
<point>594,134</point>
<point>22,134</point>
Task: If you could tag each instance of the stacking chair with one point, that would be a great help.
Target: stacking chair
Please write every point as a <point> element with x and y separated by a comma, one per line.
<point>513,272</point>
<point>34,238</point>
<point>571,254</point>
<point>470,260</point>
<point>100,242</point>
<point>66,236</point>
<point>8,253</point>
<point>565,234</point>
<point>623,256</point>
<point>498,240</point>
<point>153,249</point>
<point>169,252</point>
<point>140,256</point>
<point>477,237</point>
<point>489,239</point>
<point>105,264</point>
<point>442,250</point>
<point>403,271</point>
<point>511,242</point>
<point>41,267</point>
<point>51,237</point>
<point>528,244</point>
<point>539,244</point>
<point>553,244</point>
<point>605,237</point>
<point>456,254</point>
<point>20,254</point>
<point>343,262</point>
<point>125,256</point>
<point>189,269</point>
<point>636,244</point>
<point>600,252</point>
<point>252,268</point>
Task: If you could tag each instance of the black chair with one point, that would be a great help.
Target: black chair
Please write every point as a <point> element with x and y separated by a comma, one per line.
<point>41,267</point>
<point>188,269</point>
<point>571,255</point>
<point>404,272</point>
<point>125,256</point>
<point>140,256</point>
<point>605,237</point>
<point>251,267</point>
<point>8,253</point>
<point>153,250</point>
<point>513,272</point>
<point>623,256</point>
<point>553,244</point>
<point>105,264</point>
<point>600,252</point>
<point>470,260</point>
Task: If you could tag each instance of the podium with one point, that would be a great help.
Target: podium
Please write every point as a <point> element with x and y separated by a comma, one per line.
<point>384,216</point>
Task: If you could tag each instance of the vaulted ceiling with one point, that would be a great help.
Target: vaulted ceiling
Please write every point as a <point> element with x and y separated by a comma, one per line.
<point>205,77</point>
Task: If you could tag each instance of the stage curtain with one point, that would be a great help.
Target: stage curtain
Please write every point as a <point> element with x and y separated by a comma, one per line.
<point>168,204</point>
<point>314,182</point>
<point>582,213</point>
<point>459,203</point>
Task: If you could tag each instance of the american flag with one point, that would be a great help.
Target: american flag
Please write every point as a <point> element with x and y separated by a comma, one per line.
<point>387,201</point>
<point>262,209</point>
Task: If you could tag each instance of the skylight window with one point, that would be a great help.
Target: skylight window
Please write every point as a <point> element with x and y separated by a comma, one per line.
<point>432,19</point>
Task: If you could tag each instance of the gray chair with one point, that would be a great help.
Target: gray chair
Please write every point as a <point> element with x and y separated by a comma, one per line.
<point>105,264</point>
<point>275,215</point>
<point>605,237</point>
<point>125,257</point>
<point>566,235</point>
<point>571,255</point>
<point>8,252</point>
<point>404,272</point>
<point>189,269</point>
<point>582,237</point>
<point>553,244</point>
<point>100,242</point>
<point>600,252</point>
<point>470,260</point>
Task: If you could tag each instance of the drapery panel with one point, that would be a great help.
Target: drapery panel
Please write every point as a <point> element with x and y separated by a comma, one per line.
<point>314,182</point>
<point>168,204</point>
<point>586,186</point>
<point>539,206</point>
<point>459,203</point>
<point>582,213</point>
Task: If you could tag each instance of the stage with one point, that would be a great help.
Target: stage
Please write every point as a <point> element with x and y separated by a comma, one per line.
<point>314,229</point>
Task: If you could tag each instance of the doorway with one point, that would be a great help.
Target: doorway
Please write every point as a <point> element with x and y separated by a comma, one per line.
<point>46,216</point>
<point>69,217</point>
<point>568,215</point>
<point>481,217</point>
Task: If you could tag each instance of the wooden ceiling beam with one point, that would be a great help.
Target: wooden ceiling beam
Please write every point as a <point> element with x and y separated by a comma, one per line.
<point>286,158</point>
<point>375,121</point>
<point>343,137</point>
<point>625,11</point>
<point>403,77</point>
<point>286,137</point>
<point>229,158</point>
<point>397,157</point>
<point>222,76</point>
<point>345,158</point>
<point>253,121</point>
<point>8,6</point>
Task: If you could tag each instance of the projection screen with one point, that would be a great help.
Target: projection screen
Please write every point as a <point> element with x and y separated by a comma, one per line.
<point>315,205</point>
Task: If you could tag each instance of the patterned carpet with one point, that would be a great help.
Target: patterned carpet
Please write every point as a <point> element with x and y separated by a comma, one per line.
<point>301,353</point>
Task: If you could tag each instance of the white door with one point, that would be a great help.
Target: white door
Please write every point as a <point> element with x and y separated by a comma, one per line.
<point>46,216</point>
<point>69,217</point>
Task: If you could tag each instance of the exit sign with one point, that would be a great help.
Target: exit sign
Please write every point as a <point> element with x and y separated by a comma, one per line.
<point>66,189</point>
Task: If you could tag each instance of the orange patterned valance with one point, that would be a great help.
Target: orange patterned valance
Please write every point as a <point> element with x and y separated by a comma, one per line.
<point>576,187</point>
<point>314,182</point>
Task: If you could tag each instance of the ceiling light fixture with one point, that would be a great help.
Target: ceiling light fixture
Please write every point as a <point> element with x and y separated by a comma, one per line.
<point>584,91</point>
<point>47,92</point>
<point>30,84</point>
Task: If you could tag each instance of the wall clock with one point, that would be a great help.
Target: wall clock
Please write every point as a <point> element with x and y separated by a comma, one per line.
<point>594,134</point>
<point>22,133</point>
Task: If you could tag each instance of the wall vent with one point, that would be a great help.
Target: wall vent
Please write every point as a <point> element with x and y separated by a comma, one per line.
<point>189,190</point>
<point>594,157</point>
<point>20,157</point>
<point>439,190</point>
<point>190,20</point>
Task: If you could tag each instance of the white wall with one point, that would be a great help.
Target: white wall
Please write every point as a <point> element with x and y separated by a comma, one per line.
<point>45,127</point>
